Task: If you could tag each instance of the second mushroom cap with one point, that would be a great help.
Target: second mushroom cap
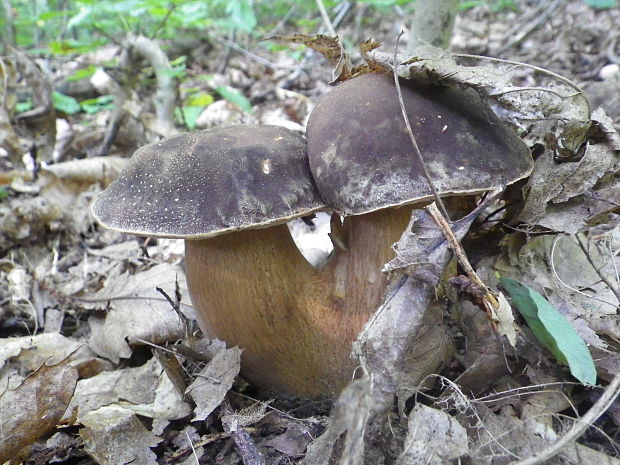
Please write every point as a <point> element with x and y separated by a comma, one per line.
<point>362,158</point>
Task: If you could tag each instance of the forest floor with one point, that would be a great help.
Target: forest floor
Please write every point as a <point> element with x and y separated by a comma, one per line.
<point>90,365</point>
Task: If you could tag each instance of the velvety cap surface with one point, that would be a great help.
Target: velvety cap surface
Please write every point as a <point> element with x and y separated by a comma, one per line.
<point>206,183</point>
<point>362,158</point>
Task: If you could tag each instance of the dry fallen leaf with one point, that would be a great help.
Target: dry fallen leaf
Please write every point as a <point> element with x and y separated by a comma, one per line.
<point>35,407</point>
<point>137,311</point>
<point>145,390</point>
<point>434,438</point>
<point>214,381</point>
<point>115,436</point>
<point>30,352</point>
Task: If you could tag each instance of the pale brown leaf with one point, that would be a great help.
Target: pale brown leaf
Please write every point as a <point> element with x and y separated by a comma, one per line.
<point>214,381</point>
<point>35,407</point>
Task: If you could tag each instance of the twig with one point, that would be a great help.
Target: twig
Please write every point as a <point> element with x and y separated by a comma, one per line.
<point>282,21</point>
<point>163,21</point>
<point>518,33</point>
<point>326,21</point>
<point>605,279</point>
<point>191,444</point>
<point>251,55</point>
<point>231,38</point>
<point>565,284</point>
<point>250,455</point>
<point>581,424</point>
<point>611,49</point>
<point>416,149</point>
<point>490,302</point>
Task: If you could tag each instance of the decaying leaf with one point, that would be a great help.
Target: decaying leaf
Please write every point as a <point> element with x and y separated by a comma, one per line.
<point>434,438</point>
<point>47,348</point>
<point>137,311</point>
<point>35,407</point>
<point>115,436</point>
<point>292,442</point>
<point>350,416</point>
<point>589,180</point>
<point>145,390</point>
<point>214,381</point>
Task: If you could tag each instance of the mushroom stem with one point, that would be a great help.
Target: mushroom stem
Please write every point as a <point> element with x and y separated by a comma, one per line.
<point>254,289</point>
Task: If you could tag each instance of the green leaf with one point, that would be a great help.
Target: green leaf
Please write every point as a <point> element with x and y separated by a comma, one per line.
<point>66,104</point>
<point>241,14</point>
<point>190,115</point>
<point>553,330</point>
<point>21,107</point>
<point>82,73</point>
<point>234,96</point>
<point>602,4</point>
<point>199,100</point>
<point>95,105</point>
<point>467,5</point>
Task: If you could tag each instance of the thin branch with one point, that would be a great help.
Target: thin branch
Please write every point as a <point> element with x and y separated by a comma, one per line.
<point>163,21</point>
<point>416,149</point>
<point>518,33</point>
<point>581,424</point>
<point>605,279</point>
<point>565,284</point>
<point>251,55</point>
<point>326,21</point>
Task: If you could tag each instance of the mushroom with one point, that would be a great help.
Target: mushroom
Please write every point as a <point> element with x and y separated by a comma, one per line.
<point>229,192</point>
<point>362,158</point>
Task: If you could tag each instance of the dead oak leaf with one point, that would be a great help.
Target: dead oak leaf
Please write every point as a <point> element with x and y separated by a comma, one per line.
<point>137,312</point>
<point>35,407</point>
<point>114,436</point>
<point>214,381</point>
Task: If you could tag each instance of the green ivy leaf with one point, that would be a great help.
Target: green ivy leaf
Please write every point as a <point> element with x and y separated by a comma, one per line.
<point>552,330</point>
<point>21,107</point>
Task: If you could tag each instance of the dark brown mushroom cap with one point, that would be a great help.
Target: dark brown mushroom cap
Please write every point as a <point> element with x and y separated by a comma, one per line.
<point>203,184</point>
<point>362,158</point>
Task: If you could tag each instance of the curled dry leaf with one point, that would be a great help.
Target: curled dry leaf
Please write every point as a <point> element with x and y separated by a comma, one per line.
<point>555,109</point>
<point>35,407</point>
<point>137,311</point>
<point>214,381</point>
<point>567,196</point>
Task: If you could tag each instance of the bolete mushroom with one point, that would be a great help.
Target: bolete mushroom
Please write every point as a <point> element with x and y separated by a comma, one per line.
<point>228,193</point>
<point>362,158</point>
